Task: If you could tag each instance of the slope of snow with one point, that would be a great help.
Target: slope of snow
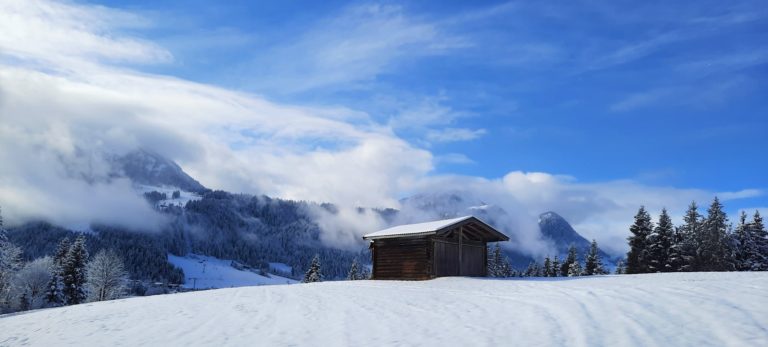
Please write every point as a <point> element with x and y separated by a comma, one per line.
<point>184,196</point>
<point>202,272</point>
<point>689,309</point>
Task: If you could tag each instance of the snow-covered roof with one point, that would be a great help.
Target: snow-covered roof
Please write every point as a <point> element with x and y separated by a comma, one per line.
<point>427,228</point>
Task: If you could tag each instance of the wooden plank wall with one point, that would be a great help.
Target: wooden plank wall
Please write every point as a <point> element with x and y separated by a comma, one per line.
<point>401,258</point>
<point>472,260</point>
<point>446,259</point>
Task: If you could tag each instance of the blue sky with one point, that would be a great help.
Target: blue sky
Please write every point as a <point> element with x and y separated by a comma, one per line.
<point>586,108</point>
<point>667,94</point>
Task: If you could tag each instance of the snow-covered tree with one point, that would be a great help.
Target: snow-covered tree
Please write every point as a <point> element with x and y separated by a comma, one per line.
<point>760,235</point>
<point>10,262</point>
<point>683,252</point>
<point>714,252</point>
<point>574,269</point>
<point>314,274</point>
<point>565,267</point>
<point>355,272</point>
<point>751,244</point>
<point>497,265</point>
<point>74,272</point>
<point>555,270</point>
<point>31,282</point>
<point>593,265</point>
<point>532,270</point>
<point>620,268</point>
<point>638,242</point>
<point>54,295</point>
<point>660,243</point>
<point>106,276</point>
<point>547,269</point>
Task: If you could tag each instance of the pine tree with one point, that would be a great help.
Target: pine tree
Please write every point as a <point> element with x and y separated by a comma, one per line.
<point>593,265</point>
<point>497,263</point>
<point>10,263</point>
<point>760,235</point>
<point>354,271</point>
<point>506,268</point>
<point>745,245</point>
<point>314,274</point>
<point>532,270</point>
<point>751,244</point>
<point>620,268</point>
<point>565,267</point>
<point>574,269</point>
<point>555,271</point>
<point>74,272</point>
<point>638,242</point>
<point>659,244</point>
<point>714,252</point>
<point>54,295</point>
<point>684,251</point>
<point>547,267</point>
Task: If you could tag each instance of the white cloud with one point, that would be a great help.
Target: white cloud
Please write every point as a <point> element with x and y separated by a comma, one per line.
<point>454,134</point>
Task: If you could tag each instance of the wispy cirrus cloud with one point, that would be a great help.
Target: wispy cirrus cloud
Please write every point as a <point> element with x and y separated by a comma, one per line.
<point>350,49</point>
<point>454,134</point>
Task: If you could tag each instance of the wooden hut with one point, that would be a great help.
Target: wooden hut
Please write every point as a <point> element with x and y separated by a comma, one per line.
<point>452,247</point>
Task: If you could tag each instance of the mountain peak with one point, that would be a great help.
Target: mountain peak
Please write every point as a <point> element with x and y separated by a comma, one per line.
<point>150,168</point>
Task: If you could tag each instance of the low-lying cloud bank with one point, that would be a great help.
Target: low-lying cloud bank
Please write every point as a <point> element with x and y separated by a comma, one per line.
<point>67,101</point>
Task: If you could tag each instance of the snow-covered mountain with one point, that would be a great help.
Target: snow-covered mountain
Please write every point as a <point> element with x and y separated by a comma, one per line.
<point>148,168</point>
<point>554,228</point>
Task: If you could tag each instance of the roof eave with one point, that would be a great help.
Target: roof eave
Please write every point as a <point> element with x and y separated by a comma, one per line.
<point>426,233</point>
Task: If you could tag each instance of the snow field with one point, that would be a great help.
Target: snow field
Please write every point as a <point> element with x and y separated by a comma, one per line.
<point>683,309</point>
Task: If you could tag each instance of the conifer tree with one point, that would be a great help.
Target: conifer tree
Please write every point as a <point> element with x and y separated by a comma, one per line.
<point>660,243</point>
<point>74,272</point>
<point>593,265</point>
<point>547,267</point>
<point>496,266</point>
<point>638,242</point>
<point>620,268</point>
<point>714,252</point>
<point>532,270</point>
<point>751,244</point>
<point>760,235</point>
<point>575,269</point>
<point>555,272</point>
<point>565,267</point>
<point>684,251</point>
<point>745,245</point>
<point>314,274</point>
<point>54,295</point>
<point>354,271</point>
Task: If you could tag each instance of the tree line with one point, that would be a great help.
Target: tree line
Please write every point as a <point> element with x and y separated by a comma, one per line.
<point>69,277</point>
<point>701,243</point>
<point>571,266</point>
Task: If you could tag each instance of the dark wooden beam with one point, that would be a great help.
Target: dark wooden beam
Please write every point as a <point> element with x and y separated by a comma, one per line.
<point>461,237</point>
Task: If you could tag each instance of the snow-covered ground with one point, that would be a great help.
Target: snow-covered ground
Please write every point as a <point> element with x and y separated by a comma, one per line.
<point>203,272</point>
<point>691,309</point>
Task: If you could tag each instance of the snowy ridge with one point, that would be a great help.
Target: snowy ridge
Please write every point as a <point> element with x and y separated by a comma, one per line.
<point>671,309</point>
